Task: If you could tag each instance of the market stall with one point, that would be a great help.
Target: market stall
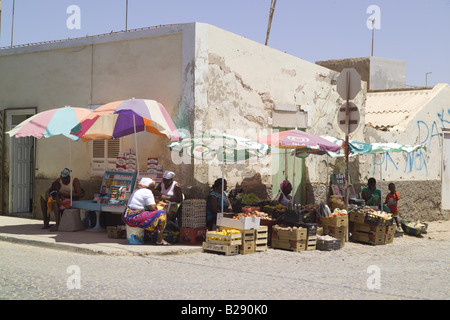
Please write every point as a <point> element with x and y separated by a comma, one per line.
<point>115,191</point>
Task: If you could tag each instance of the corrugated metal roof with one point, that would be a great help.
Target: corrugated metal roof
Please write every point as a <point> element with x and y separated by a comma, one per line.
<point>394,108</point>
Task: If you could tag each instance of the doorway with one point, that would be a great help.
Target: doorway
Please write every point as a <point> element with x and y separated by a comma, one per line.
<point>22,164</point>
<point>282,166</point>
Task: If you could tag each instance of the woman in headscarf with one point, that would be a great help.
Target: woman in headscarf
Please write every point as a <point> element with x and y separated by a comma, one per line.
<point>214,202</point>
<point>170,190</point>
<point>284,196</point>
<point>65,180</point>
<point>142,212</point>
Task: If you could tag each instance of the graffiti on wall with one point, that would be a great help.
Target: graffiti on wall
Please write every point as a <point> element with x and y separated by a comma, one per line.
<point>428,134</point>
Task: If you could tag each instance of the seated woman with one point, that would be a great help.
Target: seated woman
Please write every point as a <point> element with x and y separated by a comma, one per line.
<point>170,190</point>
<point>65,181</point>
<point>371,194</point>
<point>142,212</point>
<point>284,196</point>
<point>214,202</point>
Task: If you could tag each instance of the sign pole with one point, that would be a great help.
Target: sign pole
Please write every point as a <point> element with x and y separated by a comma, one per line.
<point>347,127</point>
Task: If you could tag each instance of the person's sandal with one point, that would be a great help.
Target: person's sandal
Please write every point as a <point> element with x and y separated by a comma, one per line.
<point>163,243</point>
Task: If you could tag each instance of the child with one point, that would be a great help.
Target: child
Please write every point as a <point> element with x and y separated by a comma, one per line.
<point>50,197</point>
<point>392,202</point>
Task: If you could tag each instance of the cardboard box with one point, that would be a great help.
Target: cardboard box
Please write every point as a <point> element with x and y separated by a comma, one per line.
<point>336,232</point>
<point>357,217</point>
<point>369,238</point>
<point>292,245</point>
<point>298,234</point>
<point>339,221</point>
<point>362,227</point>
<point>243,223</point>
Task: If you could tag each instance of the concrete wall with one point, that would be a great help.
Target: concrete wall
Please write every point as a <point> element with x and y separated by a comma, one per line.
<point>379,73</point>
<point>245,81</point>
<point>418,173</point>
<point>94,71</point>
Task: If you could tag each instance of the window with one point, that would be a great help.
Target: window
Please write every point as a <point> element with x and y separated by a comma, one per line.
<point>104,155</point>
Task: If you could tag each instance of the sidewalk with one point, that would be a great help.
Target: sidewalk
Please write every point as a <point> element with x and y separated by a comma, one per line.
<point>30,232</point>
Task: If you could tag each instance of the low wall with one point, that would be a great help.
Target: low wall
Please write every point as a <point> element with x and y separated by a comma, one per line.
<point>419,200</point>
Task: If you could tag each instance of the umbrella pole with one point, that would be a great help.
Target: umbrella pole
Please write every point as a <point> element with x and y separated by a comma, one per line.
<point>136,145</point>
<point>70,162</point>
<point>293,181</point>
<point>285,164</point>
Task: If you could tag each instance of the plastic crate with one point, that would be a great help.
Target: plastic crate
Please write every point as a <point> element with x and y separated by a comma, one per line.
<point>193,213</point>
<point>328,245</point>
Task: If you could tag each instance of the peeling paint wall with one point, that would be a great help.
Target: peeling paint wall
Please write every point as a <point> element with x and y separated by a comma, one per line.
<point>245,81</point>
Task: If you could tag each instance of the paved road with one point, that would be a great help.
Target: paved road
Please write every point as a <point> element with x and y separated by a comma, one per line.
<point>410,268</point>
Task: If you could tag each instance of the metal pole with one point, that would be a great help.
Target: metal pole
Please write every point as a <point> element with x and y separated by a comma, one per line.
<point>347,129</point>
<point>126,17</point>
<point>373,32</point>
<point>12,23</point>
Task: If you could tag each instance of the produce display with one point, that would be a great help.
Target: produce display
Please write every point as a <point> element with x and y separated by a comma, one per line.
<point>338,213</point>
<point>285,228</point>
<point>248,199</point>
<point>255,214</point>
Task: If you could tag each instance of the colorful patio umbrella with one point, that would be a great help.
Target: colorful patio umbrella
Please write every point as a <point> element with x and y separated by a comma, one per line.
<point>225,148</point>
<point>300,141</point>
<point>121,118</point>
<point>51,123</point>
<point>304,144</point>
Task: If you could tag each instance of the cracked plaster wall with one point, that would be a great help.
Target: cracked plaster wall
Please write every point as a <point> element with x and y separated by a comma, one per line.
<point>245,80</point>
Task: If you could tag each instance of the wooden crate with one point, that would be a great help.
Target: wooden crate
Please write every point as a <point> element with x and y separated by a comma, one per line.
<point>262,238</point>
<point>311,243</point>
<point>214,238</point>
<point>247,247</point>
<point>228,250</point>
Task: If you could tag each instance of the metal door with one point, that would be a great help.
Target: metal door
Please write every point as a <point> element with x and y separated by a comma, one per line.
<point>22,152</point>
<point>445,204</point>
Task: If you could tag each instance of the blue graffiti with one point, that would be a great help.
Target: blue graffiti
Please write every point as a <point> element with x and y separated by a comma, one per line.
<point>416,160</point>
<point>384,160</point>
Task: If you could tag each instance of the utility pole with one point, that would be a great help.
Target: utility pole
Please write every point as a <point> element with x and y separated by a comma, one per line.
<point>373,32</point>
<point>273,3</point>
<point>12,23</point>
<point>126,16</point>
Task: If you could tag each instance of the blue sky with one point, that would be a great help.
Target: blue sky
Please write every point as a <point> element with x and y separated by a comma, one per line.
<point>417,31</point>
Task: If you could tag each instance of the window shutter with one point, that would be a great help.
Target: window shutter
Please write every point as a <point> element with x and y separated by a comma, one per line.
<point>104,155</point>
